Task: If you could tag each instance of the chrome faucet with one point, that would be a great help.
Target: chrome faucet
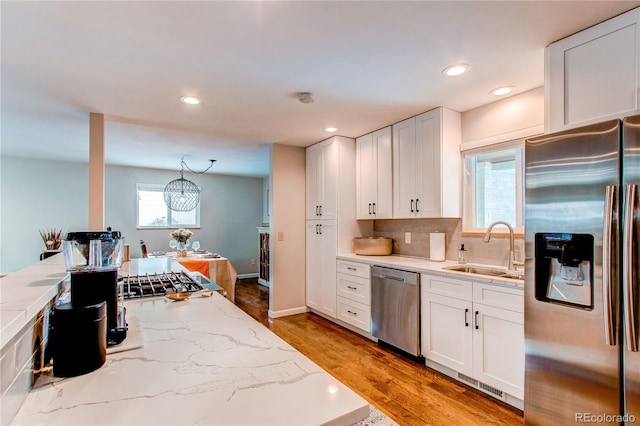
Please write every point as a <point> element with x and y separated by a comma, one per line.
<point>512,260</point>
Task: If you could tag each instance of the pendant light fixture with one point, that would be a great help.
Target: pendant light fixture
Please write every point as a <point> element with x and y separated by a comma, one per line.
<point>182,195</point>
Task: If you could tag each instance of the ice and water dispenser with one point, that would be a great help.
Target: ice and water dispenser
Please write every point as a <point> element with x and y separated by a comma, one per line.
<point>564,269</point>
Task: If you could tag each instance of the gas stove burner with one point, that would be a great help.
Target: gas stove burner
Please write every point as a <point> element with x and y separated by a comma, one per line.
<point>150,285</point>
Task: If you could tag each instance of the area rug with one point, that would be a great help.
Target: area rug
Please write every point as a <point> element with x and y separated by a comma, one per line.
<point>376,418</point>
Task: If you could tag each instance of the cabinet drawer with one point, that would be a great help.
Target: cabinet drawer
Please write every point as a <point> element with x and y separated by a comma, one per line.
<point>499,297</point>
<point>354,288</point>
<point>354,313</point>
<point>460,289</point>
<point>353,268</point>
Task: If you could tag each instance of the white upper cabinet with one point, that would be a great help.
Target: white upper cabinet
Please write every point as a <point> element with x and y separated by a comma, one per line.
<point>322,179</point>
<point>373,175</point>
<point>426,165</point>
<point>594,75</point>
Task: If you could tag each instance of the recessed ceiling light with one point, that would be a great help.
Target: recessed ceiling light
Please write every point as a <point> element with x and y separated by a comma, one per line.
<point>501,91</point>
<point>189,100</point>
<point>330,129</point>
<point>454,70</point>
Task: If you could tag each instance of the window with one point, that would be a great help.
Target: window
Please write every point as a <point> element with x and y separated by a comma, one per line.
<point>154,213</point>
<point>493,186</point>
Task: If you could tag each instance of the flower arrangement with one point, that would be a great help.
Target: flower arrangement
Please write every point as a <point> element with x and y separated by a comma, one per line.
<point>52,238</point>
<point>181,235</point>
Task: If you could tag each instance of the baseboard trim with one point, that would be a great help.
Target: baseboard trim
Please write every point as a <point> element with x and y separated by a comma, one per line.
<point>245,276</point>
<point>287,312</point>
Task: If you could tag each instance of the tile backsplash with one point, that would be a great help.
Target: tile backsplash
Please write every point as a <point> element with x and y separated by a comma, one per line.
<point>495,252</point>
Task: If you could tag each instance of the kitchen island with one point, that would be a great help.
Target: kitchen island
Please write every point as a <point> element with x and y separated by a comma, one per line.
<point>201,361</point>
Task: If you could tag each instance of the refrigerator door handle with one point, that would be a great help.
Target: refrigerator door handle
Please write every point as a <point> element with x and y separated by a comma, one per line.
<point>627,268</point>
<point>607,261</point>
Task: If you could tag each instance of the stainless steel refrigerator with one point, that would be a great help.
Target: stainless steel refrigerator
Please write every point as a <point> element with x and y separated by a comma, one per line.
<point>581,286</point>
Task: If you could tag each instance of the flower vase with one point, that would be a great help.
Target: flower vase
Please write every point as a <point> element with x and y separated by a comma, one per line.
<point>182,249</point>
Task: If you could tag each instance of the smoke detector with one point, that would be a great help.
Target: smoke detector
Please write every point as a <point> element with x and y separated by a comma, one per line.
<point>306,97</point>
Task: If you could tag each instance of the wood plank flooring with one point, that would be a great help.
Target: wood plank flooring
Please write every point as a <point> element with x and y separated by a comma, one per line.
<point>405,390</point>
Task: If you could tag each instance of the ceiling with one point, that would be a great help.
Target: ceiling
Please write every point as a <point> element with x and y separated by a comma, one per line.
<point>369,64</point>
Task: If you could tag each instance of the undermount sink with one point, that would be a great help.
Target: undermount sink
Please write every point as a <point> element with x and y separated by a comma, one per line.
<point>486,271</point>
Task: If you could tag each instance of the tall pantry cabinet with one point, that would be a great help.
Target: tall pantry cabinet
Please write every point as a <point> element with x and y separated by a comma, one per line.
<point>331,217</point>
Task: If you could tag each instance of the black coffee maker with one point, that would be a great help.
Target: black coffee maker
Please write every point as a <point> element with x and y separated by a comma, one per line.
<point>95,317</point>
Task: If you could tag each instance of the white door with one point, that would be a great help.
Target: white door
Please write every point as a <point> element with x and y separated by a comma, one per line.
<point>593,75</point>
<point>382,167</point>
<point>329,179</point>
<point>446,332</point>
<point>314,267</point>
<point>365,176</point>
<point>314,179</point>
<point>498,339</point>
<point>428,173</point>
<point>404,169</point>
<point>321,266</point>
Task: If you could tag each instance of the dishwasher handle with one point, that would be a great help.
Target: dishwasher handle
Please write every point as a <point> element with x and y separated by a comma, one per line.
<point>406,277</point>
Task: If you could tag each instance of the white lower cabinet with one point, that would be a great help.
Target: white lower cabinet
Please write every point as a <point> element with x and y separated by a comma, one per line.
<point>354,293</point>
<point>475,329</point>
<point>321,266</point>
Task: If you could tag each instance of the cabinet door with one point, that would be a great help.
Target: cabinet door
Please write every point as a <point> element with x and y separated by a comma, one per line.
<point>366,176</point>
<point>428,170</point>
<point>314,265</point>
<point>404,168</point>
<point>329,180</point>
<point>383,208</point>
<point>498,339</point>
<point>592,75</point>
<point>446,333</point>
<point>321,266</point>
<point>314,179</point>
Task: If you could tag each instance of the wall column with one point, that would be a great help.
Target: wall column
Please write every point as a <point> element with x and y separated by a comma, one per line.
<point>96,171</point>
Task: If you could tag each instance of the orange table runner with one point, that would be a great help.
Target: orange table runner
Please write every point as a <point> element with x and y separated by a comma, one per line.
<point>220,270</point>
<point>201,266</point>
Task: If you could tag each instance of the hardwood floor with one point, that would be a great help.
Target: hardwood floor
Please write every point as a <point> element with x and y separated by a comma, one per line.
<point>405,390</point>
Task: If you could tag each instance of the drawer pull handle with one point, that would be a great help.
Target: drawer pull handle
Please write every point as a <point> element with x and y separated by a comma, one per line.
<point>351,269</point>
<point>352,313</point>
<point>351,288</point>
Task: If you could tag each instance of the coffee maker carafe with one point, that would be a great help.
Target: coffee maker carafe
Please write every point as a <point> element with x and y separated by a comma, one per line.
<point>93,258</point>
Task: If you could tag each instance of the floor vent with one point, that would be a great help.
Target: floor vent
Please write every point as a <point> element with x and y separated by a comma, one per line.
<point>482,386</point>
<point>490,389</point>
<point>468,379</point>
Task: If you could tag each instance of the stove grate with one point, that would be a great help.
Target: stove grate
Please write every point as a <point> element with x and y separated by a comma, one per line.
<point>150,285</point>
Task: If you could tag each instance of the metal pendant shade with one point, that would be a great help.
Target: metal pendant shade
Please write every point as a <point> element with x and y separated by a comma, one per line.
<point>182,195</point>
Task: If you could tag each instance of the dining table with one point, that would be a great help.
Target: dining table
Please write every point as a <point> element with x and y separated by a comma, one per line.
<point>217,268</point>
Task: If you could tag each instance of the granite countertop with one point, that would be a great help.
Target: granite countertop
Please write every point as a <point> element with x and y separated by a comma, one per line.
<point>201,361</point>
<point>423,265</point>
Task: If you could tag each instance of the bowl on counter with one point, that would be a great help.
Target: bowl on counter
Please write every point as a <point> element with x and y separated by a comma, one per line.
<point>372,246</point>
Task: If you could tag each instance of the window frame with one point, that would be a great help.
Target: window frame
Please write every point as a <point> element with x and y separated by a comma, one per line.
<point>151,187</point>
<point>469,187</point>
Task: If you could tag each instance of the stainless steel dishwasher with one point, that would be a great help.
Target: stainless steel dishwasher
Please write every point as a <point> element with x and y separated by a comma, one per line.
<point>395,308</point>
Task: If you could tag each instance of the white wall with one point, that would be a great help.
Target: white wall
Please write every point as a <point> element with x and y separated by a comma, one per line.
<point>41,194</point>
<point>287,272</point>
<point>38,195</point>
<point>515,117</point>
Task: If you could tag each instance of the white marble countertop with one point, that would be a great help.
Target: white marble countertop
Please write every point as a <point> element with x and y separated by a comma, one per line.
<point>202,362</point>
<point>422,265</point>
<point>25,292</point>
